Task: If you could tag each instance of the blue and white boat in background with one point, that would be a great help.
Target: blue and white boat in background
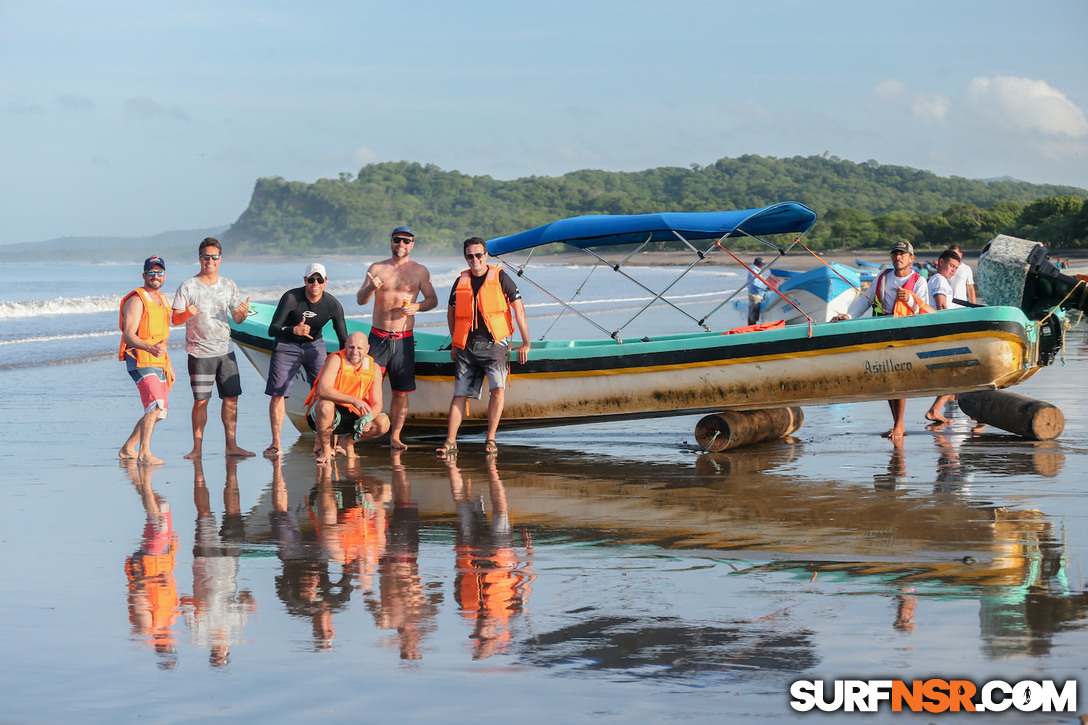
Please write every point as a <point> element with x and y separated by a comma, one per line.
<point>816,295</point>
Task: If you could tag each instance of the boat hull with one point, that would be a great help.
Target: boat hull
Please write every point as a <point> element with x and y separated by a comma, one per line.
<point>568,382</point>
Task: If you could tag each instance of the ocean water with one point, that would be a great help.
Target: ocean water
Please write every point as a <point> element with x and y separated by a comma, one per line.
<point>591,574</point>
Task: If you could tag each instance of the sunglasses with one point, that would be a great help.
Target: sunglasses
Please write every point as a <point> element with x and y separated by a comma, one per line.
<point>402,240</point>
<point>155,273</point>
<point>209,256</point>
<point>478,255</point>
<point>315,279</point>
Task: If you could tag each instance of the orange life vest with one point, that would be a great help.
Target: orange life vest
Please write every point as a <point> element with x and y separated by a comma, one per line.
<point>154,328</point>
<point>878,298</point>
<point>349,381</point>
<point>492,303</point>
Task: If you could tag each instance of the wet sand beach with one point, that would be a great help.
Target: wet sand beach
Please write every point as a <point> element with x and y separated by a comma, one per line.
<point>605,573</point>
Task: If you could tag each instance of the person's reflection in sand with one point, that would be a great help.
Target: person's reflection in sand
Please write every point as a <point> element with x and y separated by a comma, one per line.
<point>905,604</point>
<point>152,589</point>
<point>491,583</point>
<point>951,475</point>
<point>216,611</point>
<point>897,469</point>
<point>305,585</point>
<point>403,602</point>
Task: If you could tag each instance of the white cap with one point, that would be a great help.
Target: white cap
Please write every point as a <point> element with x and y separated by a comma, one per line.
<point>316,268</point>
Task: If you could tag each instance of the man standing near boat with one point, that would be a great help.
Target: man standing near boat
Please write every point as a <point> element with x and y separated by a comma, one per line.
<point>206,303</point>
<point>900,283</point>
<point>757,288</point>
<point>395,284</point>
<point>482,304</point>
<point>145,327</point>
<point>940,292</point>
<point>296,327</point>
<point>962,282</point>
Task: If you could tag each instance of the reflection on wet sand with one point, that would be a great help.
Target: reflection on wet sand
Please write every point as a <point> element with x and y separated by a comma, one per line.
<point>404,603</point>
<point>152,589</point>
<point>492,583</point>
<point>216,611</point>
<point>919,532</point>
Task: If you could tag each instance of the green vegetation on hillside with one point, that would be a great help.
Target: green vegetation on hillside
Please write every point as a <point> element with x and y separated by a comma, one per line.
<point>860,205</point>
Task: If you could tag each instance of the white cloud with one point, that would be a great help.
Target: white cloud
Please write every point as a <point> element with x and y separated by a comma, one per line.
<point>930,107</point>
<point>890,90</point>
<point>364,155</point>
<point>925,107</point>
<point>146,108</point>
<point>76,104</point>
<point>1028,104</point>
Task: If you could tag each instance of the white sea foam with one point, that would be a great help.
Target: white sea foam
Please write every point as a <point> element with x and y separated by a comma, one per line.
<point>59,306</point>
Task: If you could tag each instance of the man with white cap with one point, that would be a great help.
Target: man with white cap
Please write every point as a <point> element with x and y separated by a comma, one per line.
<point>296,327</point>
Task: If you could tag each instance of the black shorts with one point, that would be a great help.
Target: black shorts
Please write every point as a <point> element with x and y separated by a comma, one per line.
<point>223,370</point>
<point>343,423</point>
<point>396,356</point>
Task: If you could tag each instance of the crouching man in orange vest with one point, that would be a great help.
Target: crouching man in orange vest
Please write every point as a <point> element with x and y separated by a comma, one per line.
<point>481,305</point>
<point>346,399</point>
<point>145,327</point>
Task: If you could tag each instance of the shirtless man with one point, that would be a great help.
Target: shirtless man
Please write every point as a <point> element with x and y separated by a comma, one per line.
<point>395,284</point>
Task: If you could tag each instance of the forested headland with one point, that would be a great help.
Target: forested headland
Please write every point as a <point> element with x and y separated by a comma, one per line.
<point>861,206</point>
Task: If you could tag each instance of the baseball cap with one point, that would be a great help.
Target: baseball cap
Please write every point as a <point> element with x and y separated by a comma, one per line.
<point>903,246</point>
<point>316,268</point>
<point>152,261</point>
<point>403,230</point>
<point>758,261</point>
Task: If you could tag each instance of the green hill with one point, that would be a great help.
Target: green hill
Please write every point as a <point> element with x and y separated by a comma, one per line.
<point>860,205</point>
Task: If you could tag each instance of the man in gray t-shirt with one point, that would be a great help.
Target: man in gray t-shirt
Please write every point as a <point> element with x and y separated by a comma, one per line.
<point>206,303</point>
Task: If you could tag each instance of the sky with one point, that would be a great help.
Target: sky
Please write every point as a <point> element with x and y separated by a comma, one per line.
<point>129,119</point>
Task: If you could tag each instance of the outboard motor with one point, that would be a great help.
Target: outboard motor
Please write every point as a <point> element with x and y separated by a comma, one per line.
<point>1017,273</point>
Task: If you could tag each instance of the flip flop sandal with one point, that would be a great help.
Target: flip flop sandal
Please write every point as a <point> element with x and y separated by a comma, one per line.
<point>491,448</point>
<point>447,449</point>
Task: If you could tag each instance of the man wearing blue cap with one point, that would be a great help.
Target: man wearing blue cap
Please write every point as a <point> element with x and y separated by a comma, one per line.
<point>145,327</point>
<point>396,284</point>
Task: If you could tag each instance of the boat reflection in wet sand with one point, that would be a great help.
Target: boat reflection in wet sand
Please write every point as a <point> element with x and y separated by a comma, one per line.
<point>733,510</point>
<point>617,376</point>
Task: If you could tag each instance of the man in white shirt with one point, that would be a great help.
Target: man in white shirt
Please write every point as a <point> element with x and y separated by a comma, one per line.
<point>941,293</point>
<point>962,282</point>
<point>892,285</point>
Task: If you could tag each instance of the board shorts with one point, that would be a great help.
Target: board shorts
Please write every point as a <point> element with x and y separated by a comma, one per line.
<point>222,370</point>
<point>343,422</point>
<point>395,353</point>
<point>290,357</point>
<point>478,359</point>
<point>151,382</point>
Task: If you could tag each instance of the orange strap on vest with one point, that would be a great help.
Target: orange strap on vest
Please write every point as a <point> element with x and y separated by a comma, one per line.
<point>903,309</point>
<point>494,308</point>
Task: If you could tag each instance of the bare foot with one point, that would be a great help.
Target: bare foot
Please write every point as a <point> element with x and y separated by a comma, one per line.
<point>936,417</point>
<point>149,461</point>
<point>239,452</point>
<point>193,455</point>
<point>397,445</point>
<point>323,457</point>
<point>894,434</point>
<point>127,454</point>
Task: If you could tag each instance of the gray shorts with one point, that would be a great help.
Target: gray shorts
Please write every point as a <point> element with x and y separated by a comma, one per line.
<point>480,358</point>
<point>287,359</point>
<point>221,370</point>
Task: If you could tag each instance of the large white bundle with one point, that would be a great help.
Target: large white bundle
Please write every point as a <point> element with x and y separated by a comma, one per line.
<point>1003,270</point>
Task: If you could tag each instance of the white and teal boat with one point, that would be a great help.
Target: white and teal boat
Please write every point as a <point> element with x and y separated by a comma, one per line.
<point>618,374</point>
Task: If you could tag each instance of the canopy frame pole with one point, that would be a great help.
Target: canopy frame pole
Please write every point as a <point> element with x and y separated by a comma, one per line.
<point>656,295</point>
<point>520,272</point>
<point>566,306</point>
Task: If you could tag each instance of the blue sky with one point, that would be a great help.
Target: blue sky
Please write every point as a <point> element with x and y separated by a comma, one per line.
<point>133,118</point>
